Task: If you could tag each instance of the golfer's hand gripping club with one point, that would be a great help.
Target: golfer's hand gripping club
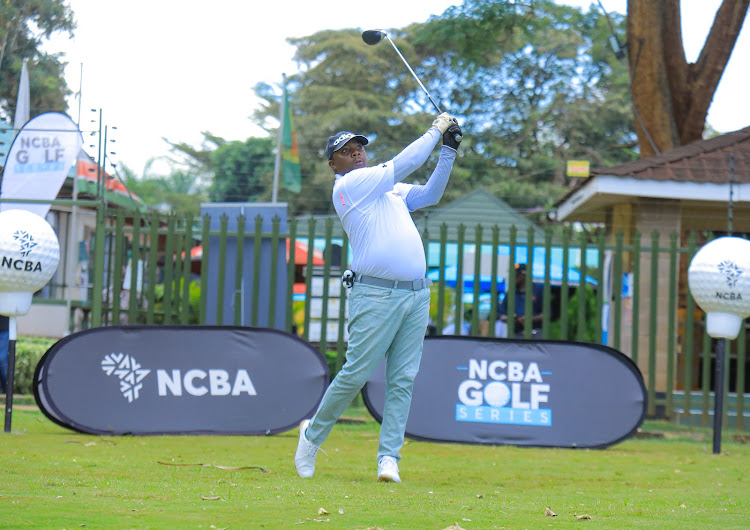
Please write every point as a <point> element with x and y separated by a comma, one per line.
<point>452,137</point>
<point>445,121</point>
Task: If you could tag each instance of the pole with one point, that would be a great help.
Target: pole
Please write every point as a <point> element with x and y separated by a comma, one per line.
<point>719,394</point>
<point>731,193</point>
<point>277,165</point>
<point>12,333</point>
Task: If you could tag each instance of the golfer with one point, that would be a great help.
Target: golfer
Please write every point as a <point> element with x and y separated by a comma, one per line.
<point>390,298</point>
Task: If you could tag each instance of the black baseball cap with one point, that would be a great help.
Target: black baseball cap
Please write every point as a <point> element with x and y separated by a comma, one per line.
<point>338,140</point>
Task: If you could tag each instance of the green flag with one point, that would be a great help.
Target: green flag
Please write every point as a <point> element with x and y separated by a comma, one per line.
<point>291,177</point>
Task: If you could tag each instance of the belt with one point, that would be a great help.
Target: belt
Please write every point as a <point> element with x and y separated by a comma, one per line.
<point>409,285</point>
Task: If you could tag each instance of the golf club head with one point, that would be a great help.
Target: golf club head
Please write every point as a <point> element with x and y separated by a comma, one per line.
<point>373,36</point>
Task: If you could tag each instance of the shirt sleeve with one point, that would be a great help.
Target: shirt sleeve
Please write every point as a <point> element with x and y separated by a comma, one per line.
<point>430,193</point>
<point>414,155</point>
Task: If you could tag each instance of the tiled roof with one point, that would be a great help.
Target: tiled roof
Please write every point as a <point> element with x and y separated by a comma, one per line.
<point>704,161</point>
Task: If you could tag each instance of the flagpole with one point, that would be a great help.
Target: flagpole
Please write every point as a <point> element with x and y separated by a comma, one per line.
<point>277,165</point>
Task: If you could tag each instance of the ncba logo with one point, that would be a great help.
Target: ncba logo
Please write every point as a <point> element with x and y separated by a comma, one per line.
<point>732,272</point>
<point>194,382</point>
<point>27,244</point>
<point>509,392</point>
<point>130,373</point>
<point>26,240</point>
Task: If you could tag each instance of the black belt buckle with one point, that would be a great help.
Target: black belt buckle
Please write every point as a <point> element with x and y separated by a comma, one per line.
<point>348,278</point>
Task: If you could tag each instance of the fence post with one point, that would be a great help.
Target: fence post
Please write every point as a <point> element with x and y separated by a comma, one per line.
<point>459,306</point>
<point>187,270</point>
<point>493,279</point>
<point>617,291</point>
<point>98,282</point>
<point>119,257</point>
<point>239,269</point>
<point>206,240</point>
<point>477,280</point>
<point>689,332</point>
<point>528,321</point>
<point>581,327</point>
<point>636,296</point>
<point>547,293</point>
<point>441,285</point>
<point>653,299</point>
<point>308,276</point>
<point>671,326</point>
<point>599,327</point>
<point>564,286</point>
<point>291,272</point>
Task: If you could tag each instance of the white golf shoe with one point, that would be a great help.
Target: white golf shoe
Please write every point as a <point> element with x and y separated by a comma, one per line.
<point>304,458</point>
<point>388,470</point>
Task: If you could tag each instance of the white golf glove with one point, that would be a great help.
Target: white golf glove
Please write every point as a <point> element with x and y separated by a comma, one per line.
<point>443,122</point>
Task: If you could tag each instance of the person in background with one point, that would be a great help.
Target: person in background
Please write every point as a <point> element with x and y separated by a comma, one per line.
<point>515,328</point>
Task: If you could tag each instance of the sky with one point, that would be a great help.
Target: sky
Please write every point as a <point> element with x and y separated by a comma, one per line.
<point>173,68</point>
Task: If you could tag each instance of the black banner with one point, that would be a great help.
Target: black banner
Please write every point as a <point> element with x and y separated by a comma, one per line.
<point>180,380</point>
<point>518,392</point>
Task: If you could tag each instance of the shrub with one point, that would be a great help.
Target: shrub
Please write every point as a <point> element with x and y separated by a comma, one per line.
<point>28,352</point>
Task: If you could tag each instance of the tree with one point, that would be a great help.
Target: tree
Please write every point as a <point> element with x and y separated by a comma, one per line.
<point>23,26</point>
<point>670,96</point>
<point>242,170</point>
<point>180,191</point>
<point>531,88</point>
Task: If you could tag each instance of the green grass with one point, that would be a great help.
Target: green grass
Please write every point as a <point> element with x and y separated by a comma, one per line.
<point>55,478</point>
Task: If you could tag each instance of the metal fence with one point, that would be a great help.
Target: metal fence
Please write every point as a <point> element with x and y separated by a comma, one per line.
<point>630,295</point>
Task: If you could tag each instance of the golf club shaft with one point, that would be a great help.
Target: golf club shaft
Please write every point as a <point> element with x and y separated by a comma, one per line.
<point>437,108</point>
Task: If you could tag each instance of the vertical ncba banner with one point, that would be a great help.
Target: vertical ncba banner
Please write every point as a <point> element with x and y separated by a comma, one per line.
<point>180,380</point>
<point>39,160</point>
<point>520,392</point>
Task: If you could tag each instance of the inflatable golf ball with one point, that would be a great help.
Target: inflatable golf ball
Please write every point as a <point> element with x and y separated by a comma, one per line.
<point>29,254</point>
<point>719,280</point>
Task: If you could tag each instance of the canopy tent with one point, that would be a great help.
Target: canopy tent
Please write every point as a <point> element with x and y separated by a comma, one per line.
<point>87,173</point>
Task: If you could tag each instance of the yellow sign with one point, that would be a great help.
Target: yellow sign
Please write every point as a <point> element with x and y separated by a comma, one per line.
<point>578,168</point>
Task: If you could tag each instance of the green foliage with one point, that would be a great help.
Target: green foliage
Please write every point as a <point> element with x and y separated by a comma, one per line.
<point>243,171</point>
<point>591,334</point>
<point>180,191</point>
<point>534,85</point>
<point>24,25</point>
<point>28,352</point>
<point>194,295</point>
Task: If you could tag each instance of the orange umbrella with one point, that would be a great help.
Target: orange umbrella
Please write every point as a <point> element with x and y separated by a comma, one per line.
<point>300,254</point>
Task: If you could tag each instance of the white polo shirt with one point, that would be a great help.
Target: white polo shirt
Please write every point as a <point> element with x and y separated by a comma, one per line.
<point>385,242</point>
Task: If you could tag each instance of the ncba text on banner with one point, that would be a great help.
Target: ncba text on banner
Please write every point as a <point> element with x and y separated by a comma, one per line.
<point>174,379</point>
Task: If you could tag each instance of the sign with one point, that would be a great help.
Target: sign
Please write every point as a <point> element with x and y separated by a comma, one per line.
<point>180,380</point>
<point>39,160</point>
<point>520,392</point>
<point>578,168</point>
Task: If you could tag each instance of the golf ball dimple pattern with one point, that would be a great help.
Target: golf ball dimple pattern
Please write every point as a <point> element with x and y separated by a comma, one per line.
<point>719,276</point>
<point>29,251</point>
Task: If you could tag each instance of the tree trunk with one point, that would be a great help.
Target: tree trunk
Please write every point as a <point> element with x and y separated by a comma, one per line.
<point>649,86</point>
<point>670,96</point>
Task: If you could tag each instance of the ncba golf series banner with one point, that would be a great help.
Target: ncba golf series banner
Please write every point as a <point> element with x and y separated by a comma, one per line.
<point>180,380</point>
<point>516,392</point>
<point>39,160</point>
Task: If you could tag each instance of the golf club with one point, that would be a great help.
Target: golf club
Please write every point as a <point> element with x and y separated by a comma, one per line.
<point>372,37</point>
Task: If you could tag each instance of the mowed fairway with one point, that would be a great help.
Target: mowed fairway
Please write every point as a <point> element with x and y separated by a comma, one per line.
<point>55,478</point>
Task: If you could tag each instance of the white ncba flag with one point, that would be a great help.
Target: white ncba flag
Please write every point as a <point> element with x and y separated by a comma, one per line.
<point>39,160</point>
